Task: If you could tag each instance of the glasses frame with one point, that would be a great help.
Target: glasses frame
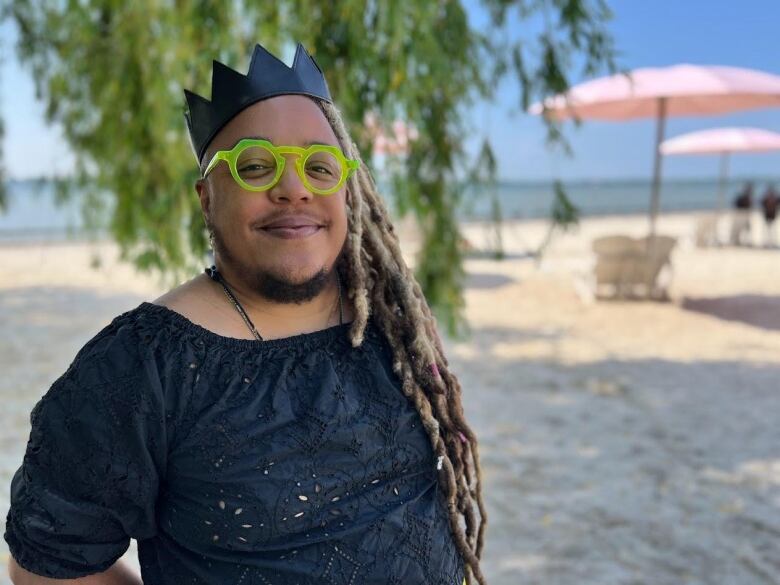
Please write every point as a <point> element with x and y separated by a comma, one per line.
<point>348,166</point>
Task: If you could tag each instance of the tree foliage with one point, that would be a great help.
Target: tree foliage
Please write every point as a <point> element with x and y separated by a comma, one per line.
<point>111,74</point>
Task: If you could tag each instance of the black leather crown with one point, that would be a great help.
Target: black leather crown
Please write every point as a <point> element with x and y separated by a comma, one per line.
<point>232,91</point>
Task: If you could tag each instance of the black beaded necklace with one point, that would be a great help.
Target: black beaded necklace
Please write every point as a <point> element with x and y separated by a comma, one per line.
<point>216,276</point>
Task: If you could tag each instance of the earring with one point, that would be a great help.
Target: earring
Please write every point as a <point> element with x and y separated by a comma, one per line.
<point>212,253</point>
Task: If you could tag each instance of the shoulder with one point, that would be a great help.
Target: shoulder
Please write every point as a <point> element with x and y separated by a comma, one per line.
<point>125,334</point>
<point>111,391</point>
<point>128,347</point>
<point>117,383</point>
<point>184,294</point>
<point>199,302</point>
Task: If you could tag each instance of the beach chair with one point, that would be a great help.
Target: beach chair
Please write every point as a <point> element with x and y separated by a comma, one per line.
<point>616,257</point>
<point>740,228</point>
<point>656,255</point>
<point>631,267</point>
<point>707,231</point>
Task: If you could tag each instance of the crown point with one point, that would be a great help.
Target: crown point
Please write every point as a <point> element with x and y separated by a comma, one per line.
<point>195,103</point>
<point>299,50</point>
<point>223,77</point>
<point>261,57</point>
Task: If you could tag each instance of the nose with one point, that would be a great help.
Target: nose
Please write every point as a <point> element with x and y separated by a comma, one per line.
<point>290,186</point>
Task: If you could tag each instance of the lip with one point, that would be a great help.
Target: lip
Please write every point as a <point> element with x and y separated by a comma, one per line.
<point>291,221</point>
<point>292,233</point>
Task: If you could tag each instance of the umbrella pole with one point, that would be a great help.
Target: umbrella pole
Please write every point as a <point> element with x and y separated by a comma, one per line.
<point>724,173</point>
<point>659,138</point>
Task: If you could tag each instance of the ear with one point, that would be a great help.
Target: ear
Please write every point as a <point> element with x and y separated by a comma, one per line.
<point>204,194</point>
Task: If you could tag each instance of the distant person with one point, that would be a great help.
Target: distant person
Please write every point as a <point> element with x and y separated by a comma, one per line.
<point>769,203</point>
<point>740,224</point>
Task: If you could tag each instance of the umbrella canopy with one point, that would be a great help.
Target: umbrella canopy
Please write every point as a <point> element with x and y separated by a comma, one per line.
<point>679,90</point>
<point>723,141</point>
<point>398,143</point>
<point>689,90</point>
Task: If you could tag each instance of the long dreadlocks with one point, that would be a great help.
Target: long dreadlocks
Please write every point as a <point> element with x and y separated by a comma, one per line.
<point>380,283</point>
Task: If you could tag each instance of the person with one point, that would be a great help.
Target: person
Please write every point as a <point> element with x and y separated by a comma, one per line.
<point>740,223</point>
<point>286,417</point>
<point>769,203</point>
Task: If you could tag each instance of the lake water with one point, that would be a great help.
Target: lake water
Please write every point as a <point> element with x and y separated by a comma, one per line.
<point>32,213</point>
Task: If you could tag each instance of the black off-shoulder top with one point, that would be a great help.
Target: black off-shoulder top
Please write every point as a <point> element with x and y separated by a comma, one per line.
<point>281,462</point>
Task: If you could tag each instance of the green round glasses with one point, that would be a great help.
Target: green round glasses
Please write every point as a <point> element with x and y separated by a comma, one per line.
<point>257,165</point>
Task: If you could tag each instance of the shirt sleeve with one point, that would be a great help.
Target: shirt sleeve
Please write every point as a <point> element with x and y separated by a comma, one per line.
<point>93,464</point>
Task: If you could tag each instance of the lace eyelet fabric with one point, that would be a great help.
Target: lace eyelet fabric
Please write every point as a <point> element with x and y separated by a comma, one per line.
<point>291,461</point>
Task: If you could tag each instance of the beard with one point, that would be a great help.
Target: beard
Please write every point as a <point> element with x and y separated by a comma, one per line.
<point>269,285</point>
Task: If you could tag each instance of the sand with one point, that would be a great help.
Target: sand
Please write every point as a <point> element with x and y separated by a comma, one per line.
<point>621,442</point>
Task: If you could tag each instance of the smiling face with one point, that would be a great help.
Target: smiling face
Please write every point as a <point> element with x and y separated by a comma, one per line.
<point>283,265</point>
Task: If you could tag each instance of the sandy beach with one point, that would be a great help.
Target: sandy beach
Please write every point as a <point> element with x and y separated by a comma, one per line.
<point>622,442</point>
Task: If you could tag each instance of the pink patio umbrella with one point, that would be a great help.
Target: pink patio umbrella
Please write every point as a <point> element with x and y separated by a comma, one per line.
<point>679,90</point>
<point>398,143</point>
<point>723,141</point>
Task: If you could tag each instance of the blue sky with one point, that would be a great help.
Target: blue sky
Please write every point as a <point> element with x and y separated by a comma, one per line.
<point>743,33</point>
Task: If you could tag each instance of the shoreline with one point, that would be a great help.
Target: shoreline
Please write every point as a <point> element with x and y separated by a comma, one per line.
<point>60,236</point>
<point>67,234</point>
